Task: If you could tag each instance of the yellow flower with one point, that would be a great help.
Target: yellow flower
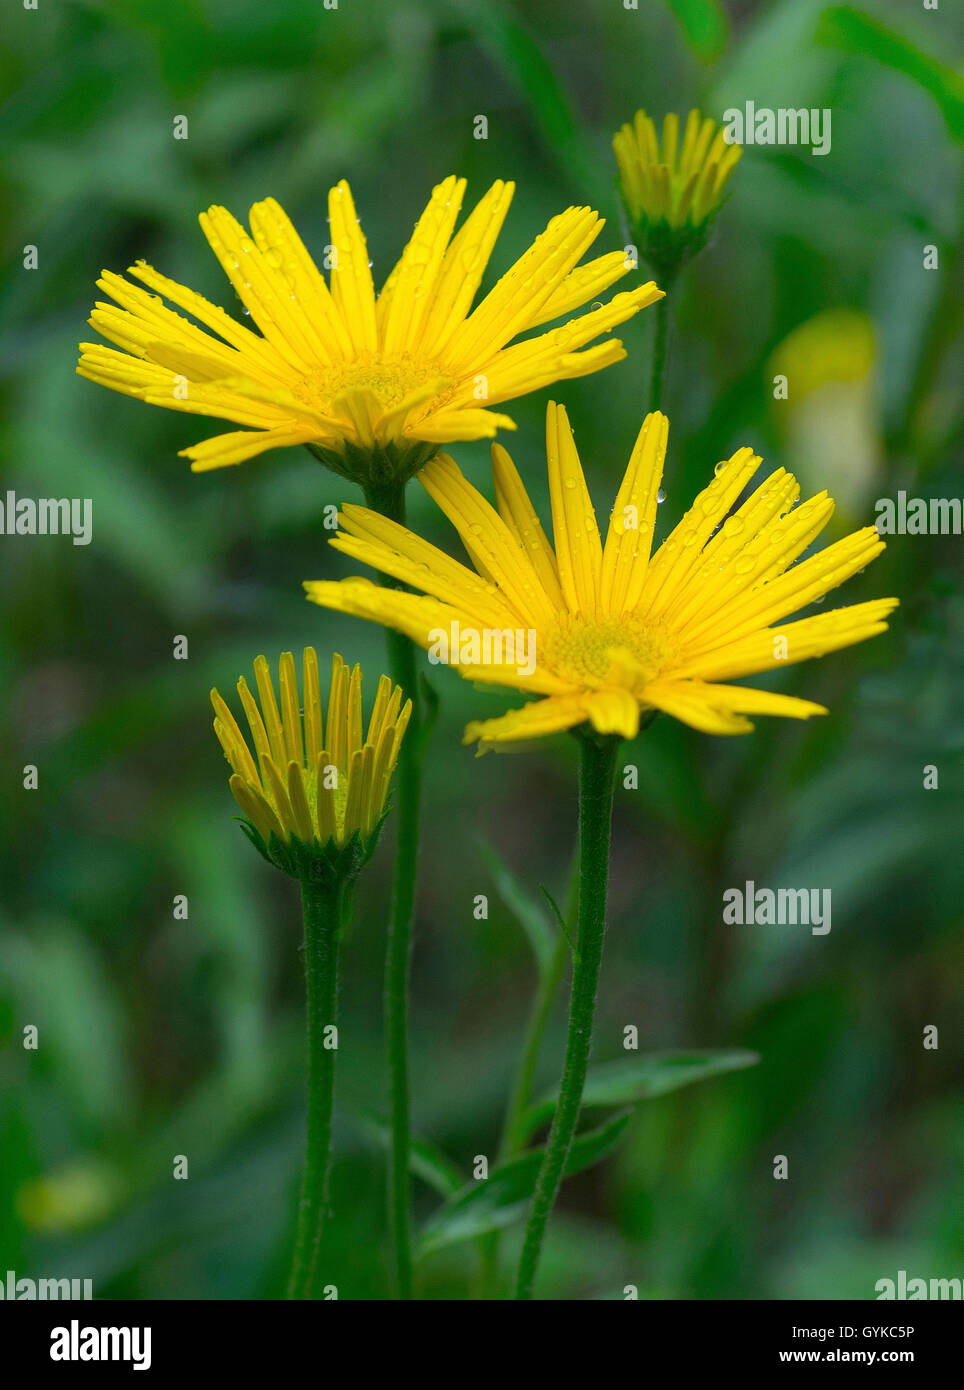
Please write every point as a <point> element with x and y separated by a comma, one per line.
<point>837,345</point>
<point>826,406</point>
<point>312,782</point>
<point>368,383</point>
<point>617,630</point>
<point>675,183</point>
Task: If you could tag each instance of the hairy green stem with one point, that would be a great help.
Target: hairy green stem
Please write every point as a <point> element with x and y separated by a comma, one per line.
<point>324,906</point>
<point>389,500</point>
<point>519,1096</point>
<point>597,777</point>
<point>660,336</point>
<point>513,1135</point>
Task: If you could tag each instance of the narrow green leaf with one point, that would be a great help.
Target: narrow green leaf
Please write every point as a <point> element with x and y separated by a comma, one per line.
<point>504,1196</point>
<point>630,1080</point>
<point>526,910</point>
<point>705,26</point>
<point>439,1172</point>
<point>843,26</point>
<point>519,56</point>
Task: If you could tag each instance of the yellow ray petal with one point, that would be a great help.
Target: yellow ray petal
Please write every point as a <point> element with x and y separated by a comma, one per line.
<point>259,735</point>
<point>416,562</point>
<point>791,642</point>
<point>575,533</point>
<point>320,320</point>
<point>406,298</point>
<point>448,426</point>
<point>529,357</point>
<point>263,360</point>
<point>463,266</point>
<point>711,589</point>
<point>255,806</point>
<point>547,368</point>
<point>336,729</point>
<point>354,711</point>
<point>414,615</point>
<point>326,812</point>
<point>738,699</point>
<point>143,318</point>
<point>522,519</point>
<point>351,276</point>
<point>613,712</point>
<point>359,783</point>
<point>681,550</point>
<point>301,814</point>
<point>240,756</point>
<point>684,704</point>
<point>804,584</point>
<point>121,372</point>
<point>274,784</point>
<point>224,449</point>
<point>311,697</point>
<point>518,297</point>
<point>269,711</point>
<point>534,720</point>
<point>290,708</point>
<point>630,537</point>
<point>259,285</point>
<point>583,284</point>
<point>377,721</point>
<point>488,539</point>
<point>224,400</point>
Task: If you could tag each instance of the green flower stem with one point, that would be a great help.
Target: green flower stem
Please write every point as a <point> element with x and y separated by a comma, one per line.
<point>397,963</point>
<point>597,779</point>
<point>513,1136</point>
<point>660,336</point>
<point>512,1140</point>
<point>389,500</point>
<point>325,907</point>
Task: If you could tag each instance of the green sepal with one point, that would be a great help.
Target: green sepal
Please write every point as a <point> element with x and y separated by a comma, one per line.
<point>382,468</point>
<point>328,864</point>
<point>667,248</point>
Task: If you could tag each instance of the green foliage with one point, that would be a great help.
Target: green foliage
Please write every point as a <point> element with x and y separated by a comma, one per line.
<point>860,33</point>
<point>503,1196</point>
<point>162,1035</point>
<point>626,1081</point>
<point>704,25</point>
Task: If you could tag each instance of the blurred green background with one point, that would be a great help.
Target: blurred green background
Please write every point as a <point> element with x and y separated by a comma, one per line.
<point>161,1037</point>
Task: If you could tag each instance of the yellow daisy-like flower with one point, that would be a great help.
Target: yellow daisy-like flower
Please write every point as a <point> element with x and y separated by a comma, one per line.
<point>312,783</point>
<point>678,183</point>
<point>617,630</point>
<point>355,376</point>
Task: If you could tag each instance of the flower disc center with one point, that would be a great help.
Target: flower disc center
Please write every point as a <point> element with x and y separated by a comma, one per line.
<point>625,654</point>
<point>391,383</point>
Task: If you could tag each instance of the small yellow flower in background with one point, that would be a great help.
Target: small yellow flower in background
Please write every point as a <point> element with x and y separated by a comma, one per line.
<point>672,188</point>
<point>825,405</point>
<point>835,345</point>
<point>355,376</point>
<point>617,630</point>
<point>71,1198</point>
<point>313,783</point>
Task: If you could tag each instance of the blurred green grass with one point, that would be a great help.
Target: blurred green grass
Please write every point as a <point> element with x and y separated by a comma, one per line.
<point>162,1037</point>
